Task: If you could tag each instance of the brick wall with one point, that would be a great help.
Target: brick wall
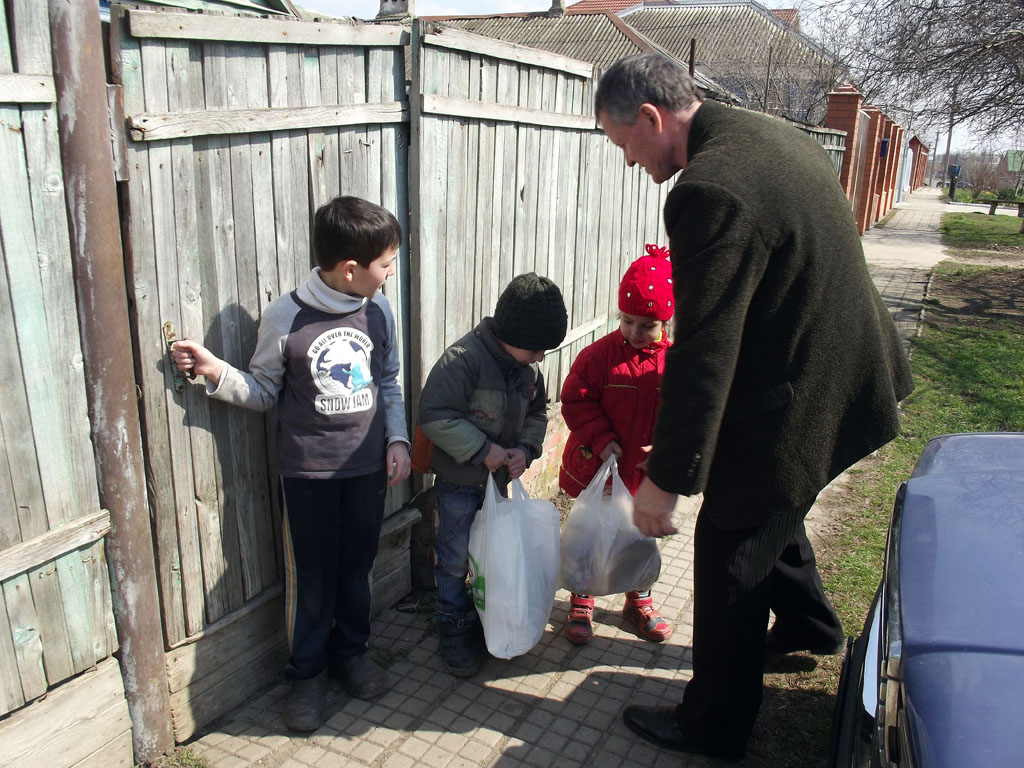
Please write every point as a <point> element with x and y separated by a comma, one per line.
<point>844,105</point>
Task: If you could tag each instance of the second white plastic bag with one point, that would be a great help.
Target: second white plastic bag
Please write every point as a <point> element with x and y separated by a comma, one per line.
<point>602,551</point>
<point>513,568</point>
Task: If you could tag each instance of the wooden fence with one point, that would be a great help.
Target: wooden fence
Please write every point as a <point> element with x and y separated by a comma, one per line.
<point>511,174</point>
<point>831,140</point>
<point>236,130</point>
<point>56,620</point>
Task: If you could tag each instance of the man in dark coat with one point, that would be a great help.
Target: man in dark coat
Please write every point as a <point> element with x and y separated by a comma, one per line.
<point>786,369</point>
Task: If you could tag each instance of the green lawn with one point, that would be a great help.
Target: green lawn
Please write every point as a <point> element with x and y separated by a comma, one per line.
<point>979,230</point>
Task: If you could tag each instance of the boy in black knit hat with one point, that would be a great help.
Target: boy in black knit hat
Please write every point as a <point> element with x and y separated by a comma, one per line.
<point>484,409</point>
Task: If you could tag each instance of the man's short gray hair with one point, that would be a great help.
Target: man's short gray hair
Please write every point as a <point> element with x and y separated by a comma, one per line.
<point>646,78</point>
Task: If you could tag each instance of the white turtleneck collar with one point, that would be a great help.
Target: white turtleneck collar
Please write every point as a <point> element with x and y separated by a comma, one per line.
<point>318,295</point>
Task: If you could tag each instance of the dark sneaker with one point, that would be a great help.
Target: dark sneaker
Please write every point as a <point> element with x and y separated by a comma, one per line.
<point>304,707</point>
<point>461,649</point>
<point>362,676</point>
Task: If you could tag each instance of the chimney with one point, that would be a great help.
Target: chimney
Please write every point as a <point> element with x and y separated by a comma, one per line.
<point>557,8</point>
<point>392,9</point>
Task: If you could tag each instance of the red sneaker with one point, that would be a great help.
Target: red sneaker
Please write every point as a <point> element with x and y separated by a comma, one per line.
<point>640,612</point>
<point>578,625</point>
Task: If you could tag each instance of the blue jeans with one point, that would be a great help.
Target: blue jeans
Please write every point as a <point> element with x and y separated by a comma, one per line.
<point>457,506</point>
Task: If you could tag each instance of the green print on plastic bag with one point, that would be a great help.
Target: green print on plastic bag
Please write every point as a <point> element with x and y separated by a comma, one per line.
<point>478,584</point>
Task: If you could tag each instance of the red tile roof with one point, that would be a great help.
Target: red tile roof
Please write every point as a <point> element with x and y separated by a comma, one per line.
<point>602,6</point>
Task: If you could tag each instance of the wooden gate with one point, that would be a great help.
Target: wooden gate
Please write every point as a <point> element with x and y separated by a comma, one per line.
<point>56,622</point>
<point>238,129</point>
<point>511,174</point>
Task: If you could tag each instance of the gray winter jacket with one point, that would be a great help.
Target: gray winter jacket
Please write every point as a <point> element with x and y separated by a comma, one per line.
<point>475,395</point>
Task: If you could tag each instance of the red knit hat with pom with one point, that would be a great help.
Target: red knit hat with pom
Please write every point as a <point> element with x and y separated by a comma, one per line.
<point>646,288</point>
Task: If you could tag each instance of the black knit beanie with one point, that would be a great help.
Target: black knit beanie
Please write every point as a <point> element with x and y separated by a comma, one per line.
<point>530,313</point>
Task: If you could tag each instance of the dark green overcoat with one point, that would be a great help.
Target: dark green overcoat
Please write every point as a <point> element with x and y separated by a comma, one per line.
<point>786,366</point>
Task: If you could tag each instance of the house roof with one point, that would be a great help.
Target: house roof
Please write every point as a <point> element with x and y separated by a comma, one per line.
<point>789,16</point>
<point>598,38</point>
<point>727,33</point>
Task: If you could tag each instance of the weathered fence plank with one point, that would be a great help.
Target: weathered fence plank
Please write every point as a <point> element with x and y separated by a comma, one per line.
<point>77,721</point>
<point>24,89</point>
<point>142,290</point>
<point>147,126</point>
<point>211,27</point>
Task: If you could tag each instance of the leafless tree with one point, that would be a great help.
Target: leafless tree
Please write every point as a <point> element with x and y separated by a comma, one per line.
<point>981,169</point>
<point>941,61</point>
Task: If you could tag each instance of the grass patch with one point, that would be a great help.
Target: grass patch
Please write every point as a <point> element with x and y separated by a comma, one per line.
<point>182,757</point>
<point>979,230</point>
<point>968,364</point>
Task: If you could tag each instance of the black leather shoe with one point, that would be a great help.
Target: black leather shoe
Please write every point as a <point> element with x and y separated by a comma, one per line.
<point>780,645</point>
<point>659,726</point>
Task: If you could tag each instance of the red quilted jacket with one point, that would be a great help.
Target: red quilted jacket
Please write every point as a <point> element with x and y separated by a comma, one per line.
<point>612,392</point>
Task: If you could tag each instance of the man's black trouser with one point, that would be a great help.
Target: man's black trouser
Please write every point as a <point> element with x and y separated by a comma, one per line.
<point>738,576</point>
<point>331,532</point>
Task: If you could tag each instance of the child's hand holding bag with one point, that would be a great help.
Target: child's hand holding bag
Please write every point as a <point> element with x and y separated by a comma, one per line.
<point>513,568</point>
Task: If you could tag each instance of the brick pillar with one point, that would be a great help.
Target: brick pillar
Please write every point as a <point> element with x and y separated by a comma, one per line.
<point>866,191</point>
<point>843,114</point>
<point>882,169</point>
<point>897,142</point>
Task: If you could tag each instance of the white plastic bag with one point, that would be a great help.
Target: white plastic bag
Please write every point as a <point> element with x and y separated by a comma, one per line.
<point>513,568</point>
<point>602,551</point>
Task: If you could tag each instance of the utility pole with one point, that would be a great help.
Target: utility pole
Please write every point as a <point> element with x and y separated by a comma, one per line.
<point>935,156</point>
<point>767,79</point>
<point>949,136</point>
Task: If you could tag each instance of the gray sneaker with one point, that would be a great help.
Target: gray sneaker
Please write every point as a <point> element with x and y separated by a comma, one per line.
<point>304,707</point>
<point>362,676</point>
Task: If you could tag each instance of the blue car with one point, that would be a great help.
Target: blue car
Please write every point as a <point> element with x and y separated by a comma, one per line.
<point>936,678</point>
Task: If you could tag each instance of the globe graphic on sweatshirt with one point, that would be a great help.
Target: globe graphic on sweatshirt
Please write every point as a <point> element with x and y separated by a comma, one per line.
<point>339,362</point>
<point>343,368</point>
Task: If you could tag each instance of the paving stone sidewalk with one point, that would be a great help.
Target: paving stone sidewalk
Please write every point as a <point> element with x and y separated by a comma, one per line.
<point>559,705</point>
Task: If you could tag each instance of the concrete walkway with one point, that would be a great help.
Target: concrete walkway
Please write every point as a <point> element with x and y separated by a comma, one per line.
<point>559,705</point>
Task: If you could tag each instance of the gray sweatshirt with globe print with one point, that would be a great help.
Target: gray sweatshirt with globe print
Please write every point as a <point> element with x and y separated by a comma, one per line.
<point>329,361</point>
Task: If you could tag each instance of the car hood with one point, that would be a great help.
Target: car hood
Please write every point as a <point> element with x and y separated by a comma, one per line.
<point>961,584</point>
<point>964,708</point>
<point>961,563</point>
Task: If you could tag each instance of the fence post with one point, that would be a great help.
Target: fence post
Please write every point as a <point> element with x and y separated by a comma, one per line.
<point>110,385</point>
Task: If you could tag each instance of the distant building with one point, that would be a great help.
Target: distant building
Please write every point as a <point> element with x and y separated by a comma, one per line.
<point>1011,171</point>
<point>599,38</point>
<point>745,53</point>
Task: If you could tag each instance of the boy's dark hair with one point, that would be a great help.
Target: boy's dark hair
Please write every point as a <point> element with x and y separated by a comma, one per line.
<point>352,228</point>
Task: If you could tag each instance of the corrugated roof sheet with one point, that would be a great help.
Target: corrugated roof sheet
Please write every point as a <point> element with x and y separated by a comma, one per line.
<point>593,38</point>
<point>601,39</point>
<point>728,34</point>
<point>735,41</point>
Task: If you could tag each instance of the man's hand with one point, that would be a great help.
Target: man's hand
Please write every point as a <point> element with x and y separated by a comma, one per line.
<point>496,457</point>
<point>398,462</point>
<point>652,509</point>
<point>611,448</point>
<point>516,460</point>
<point>193,356</point>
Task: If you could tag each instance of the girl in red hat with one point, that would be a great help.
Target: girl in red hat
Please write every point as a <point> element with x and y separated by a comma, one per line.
<point>609,401</point>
